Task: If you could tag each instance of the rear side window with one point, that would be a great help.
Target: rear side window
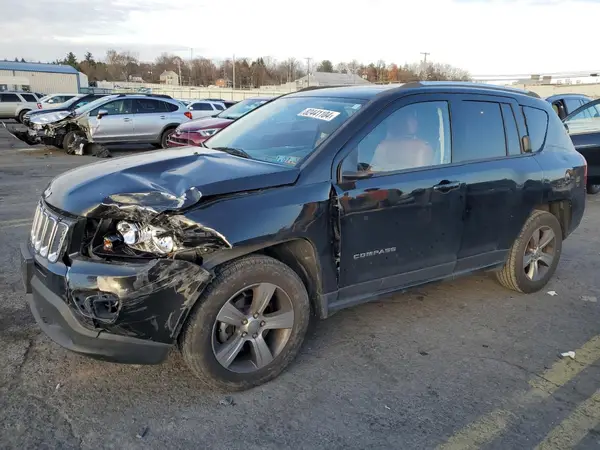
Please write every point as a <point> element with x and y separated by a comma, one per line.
<point>510,126</point>
<point>219,107</point>
<point>9,98</point>
<point>537,126</point>
<point>171,107</point>
<point>202,107</point>
<point>29,98</point>
<point>478,131</point>
<point>149,106</point>
<point>572,104</point>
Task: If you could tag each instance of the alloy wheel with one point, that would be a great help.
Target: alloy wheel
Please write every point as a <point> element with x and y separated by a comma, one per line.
<point>539,253</point>
<point>252,328</point>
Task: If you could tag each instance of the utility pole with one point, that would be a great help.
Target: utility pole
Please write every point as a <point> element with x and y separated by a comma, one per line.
<point>179,70</point>
<point>234,72</point>
<point>425,54</point>
<point>308,71</point>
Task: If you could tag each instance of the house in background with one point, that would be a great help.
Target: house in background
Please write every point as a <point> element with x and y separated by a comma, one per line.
<point>170,78</point>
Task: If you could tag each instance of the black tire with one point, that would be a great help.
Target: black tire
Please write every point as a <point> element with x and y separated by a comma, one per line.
<point>593,189</point>
<point>512,275</point>
<point>22,114</point>
<point>156,145</point>
<point>165,137</point>
<point>196,338</point>
<point>68,139</point>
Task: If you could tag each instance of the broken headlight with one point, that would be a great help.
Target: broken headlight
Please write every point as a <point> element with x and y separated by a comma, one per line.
<point>49,117</point>
<point>146,238</point>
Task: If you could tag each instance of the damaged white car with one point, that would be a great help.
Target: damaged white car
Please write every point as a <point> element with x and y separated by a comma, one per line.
<point>114,119</point>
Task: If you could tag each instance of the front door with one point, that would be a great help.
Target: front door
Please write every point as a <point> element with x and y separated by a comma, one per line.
<point>584,129</point>
<point>400,203</point>
<point>117,125</point>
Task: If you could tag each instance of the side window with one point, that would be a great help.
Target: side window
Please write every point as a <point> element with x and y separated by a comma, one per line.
<point>537,126</point>
<point>148,106</point>
<point>29,98</point>
<point>9,98</point>
<point>572,104</point>
<point>556,107</point>
<point>413,136</point>
<point>114,108</point>
<point>219,107</point>
<point>478,131</point>
<point>510,126</point>
<point>201,107</point>
<point>585,121</point>
<point>170,107</point>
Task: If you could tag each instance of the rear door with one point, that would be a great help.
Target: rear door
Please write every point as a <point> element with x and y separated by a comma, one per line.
<point>150,119</point>
<point>503,184</point>
<point>583,126</point>
<point>9,103</point>
<point>117,125</point>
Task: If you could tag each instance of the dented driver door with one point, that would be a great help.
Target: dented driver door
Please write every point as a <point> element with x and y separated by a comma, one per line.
<point>116,126</point>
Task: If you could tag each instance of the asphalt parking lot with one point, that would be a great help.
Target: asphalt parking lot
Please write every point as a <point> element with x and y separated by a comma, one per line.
<point>463,364</point>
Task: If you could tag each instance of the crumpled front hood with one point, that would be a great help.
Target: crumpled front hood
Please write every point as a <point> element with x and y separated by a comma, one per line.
<point>203,124</point>
<point>163,180</point>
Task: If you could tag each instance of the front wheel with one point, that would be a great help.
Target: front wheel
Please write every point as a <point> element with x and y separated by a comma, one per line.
<point>22,115</point>
<point>534,255</point>
<point>248,325</point>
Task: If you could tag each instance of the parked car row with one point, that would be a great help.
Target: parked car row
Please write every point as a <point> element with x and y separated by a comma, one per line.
<point>313,202</point>
<point>14,105</point>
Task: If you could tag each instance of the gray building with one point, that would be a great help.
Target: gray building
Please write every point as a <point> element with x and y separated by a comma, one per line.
<point>38,77</point>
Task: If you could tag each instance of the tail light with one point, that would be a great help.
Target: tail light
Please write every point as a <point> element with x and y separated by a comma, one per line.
<point>188,115</point>
<point>39,105</point>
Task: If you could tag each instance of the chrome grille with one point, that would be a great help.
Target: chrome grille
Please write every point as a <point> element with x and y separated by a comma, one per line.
<point>48,233</point>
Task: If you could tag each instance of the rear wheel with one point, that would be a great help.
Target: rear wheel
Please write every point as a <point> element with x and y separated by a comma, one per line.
<point>165,137</point>
<point>248,325</point>
<point>534,255</point>
<point>593,189</point>
<point>22,115</point>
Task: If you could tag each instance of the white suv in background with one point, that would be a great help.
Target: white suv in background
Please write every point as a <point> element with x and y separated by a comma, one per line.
<point>55,99</point>
<point>205,108</point>
<point>14,105</point>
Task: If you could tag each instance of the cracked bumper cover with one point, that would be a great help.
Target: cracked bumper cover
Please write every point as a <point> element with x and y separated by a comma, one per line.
<point>154,300</point>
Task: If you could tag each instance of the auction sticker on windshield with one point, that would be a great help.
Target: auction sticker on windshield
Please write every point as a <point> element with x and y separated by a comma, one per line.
<point>321,114</point>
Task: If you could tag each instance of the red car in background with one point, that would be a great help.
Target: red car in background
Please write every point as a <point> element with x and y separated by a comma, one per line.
<point>197,131</point>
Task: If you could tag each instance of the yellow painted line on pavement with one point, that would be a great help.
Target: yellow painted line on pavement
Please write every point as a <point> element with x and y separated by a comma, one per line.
<point>491,425</point>
<point>575,427</point>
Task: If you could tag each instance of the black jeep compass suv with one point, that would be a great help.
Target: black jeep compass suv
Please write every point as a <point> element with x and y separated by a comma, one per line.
<point>316,201</point>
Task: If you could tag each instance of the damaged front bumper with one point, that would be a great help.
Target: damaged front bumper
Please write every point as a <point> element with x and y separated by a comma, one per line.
<point>120,312</point>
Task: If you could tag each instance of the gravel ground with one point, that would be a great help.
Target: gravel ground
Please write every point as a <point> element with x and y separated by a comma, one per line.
<point>466,363</point>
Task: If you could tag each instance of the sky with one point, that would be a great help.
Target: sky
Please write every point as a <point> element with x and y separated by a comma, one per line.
<point>485,37</point>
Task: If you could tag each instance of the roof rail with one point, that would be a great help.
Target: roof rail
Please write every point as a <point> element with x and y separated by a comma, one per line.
<point>470,84</point>
<point>124,94</point>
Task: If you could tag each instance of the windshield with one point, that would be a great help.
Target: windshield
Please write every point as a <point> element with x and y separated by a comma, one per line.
<point>285,130</point>
<point>92,105</point>
<point>239,109</point>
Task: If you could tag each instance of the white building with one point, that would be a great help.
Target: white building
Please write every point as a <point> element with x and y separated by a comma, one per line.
<point>169,77</point>
<point>38,77</point>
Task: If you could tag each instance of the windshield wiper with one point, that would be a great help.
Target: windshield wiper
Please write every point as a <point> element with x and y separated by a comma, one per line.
<point>233,151</point>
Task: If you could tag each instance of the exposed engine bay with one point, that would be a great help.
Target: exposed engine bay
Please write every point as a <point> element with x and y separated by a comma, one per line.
<point>61,129</point>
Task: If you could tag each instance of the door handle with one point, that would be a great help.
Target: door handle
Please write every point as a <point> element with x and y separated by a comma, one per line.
<point>126,119</point>
<point>163,117</point>
<point>446,186</point>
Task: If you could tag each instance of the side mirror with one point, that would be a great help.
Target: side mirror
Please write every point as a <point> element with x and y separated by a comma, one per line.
<point>102,113</point>
<point>566,127</point>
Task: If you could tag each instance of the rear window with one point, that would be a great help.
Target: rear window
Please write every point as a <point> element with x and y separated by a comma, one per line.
<point>171,107</point>
<point>29,98</point>
<point>537,126</point>
<point>202,107</point>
